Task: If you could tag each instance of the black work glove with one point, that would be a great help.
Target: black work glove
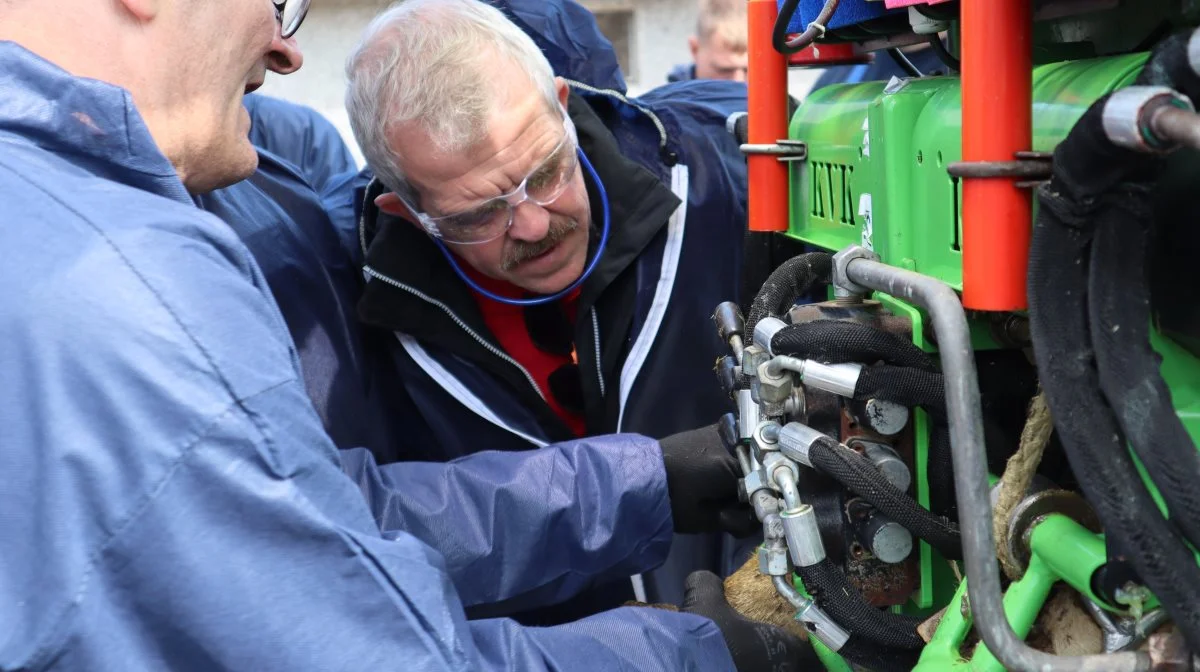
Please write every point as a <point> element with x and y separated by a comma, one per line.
<point>754,646</point>
<point>702,483</point>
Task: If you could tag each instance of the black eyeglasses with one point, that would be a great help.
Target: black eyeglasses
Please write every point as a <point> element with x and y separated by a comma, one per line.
<point>290,14</point>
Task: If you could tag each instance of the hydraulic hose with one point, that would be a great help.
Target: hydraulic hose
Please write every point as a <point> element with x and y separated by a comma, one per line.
<point>1092,179</point>
<point>1120,321</point>
<point>906,386</point>
<point>912,381</point>
<point>970,470</point>
<point>855,649</point>
<point>794,278</point>
<point>858,475</point>
<point>916,388</point>
<point>836,342</point>
<point>842,601</point>
<point>814,30</point>
<point>1119,310</point>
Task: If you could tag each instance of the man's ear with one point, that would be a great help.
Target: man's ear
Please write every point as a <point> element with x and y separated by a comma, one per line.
<point>694,45</point>
<point>391,204</point>
<point>563,89</point>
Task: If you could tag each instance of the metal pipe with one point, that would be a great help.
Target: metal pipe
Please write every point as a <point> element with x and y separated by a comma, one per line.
<point>839,379</point>
<point>1177,125</point>
<point>785,478</point>
<point>743,458</point>
<point>997,122</point>
<point>970,470</point>
<point>824,628</point>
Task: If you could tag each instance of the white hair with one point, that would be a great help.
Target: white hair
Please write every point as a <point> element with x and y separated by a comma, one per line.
<point>426,61</point>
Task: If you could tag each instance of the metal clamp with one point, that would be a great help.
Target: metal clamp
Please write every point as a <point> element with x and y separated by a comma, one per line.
<point>773,559</point>
<point>784,150</point>
<point>1131,118</point>
<point>755,481</point>
<point>748,414</point>
<point>1030,169</point>
<point>842,259</point>
<point>803,536</point>
<point>796,439</point>
<point>765,331</point>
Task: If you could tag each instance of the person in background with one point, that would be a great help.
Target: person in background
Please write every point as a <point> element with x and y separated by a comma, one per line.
<point>719,45</point>
<point>181,506</point>
<point>300,135</point>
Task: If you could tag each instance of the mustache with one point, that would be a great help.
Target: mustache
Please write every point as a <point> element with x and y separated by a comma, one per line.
<point>520,251</point>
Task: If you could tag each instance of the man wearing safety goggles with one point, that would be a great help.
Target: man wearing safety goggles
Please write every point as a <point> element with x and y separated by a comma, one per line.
<point>547,255</point>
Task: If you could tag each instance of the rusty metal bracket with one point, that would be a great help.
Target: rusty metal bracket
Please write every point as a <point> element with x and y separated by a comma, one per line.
<point>784,150</point>
<point>1030,169</point>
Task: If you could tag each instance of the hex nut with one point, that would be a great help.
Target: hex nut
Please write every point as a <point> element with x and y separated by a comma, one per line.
<point>755,481</point>
<point>773,560</point>
<point>841,261</point>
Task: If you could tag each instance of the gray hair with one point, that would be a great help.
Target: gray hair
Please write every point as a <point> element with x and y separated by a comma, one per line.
<point>423,61</point>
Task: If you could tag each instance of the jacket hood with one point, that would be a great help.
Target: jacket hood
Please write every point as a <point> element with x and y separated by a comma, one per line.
<point>567,34</point>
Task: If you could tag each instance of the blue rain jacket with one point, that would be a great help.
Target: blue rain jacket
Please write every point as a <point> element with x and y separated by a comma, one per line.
<point>171,500</point>
<point>645,340</point>
<point>301,136</point>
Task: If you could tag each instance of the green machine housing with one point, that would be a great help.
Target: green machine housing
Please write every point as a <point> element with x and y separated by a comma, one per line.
<point>876,175</point>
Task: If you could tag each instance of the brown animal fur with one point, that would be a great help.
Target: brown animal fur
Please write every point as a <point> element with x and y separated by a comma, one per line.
<point>753,595</point>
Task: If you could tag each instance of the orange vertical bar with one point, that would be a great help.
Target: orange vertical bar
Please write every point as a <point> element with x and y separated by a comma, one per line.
<point>997,66</point>
<point>768,122</point>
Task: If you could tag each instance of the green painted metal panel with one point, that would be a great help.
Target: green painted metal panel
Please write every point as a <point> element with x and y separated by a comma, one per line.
<point>877,155</point>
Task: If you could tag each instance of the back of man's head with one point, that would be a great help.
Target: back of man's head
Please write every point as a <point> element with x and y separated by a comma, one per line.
<point>441,66</point>
<point>719,45</point>
<point>187,92</point>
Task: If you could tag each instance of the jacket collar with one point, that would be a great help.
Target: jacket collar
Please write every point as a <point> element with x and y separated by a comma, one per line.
<point>93,124</point>
<point>639,205</point>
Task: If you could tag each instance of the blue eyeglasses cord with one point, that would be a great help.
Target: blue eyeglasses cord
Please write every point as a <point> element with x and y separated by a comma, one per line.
<point>571,287</point>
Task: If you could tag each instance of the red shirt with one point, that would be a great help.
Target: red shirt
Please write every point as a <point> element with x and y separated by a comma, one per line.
<point>507,324</point>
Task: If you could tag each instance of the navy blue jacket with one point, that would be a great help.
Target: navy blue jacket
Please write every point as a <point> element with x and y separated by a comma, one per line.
<point>299,135</point>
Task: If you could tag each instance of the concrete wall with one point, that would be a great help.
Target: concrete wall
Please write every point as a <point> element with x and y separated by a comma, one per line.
<point>658,42</point>
<point>328,33</point>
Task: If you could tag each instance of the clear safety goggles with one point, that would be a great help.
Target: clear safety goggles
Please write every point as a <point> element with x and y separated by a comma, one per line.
<point>290,14</point>
<point>489,221</point>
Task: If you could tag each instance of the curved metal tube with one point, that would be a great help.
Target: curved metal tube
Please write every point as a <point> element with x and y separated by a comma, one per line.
<point>789,593</point>
<point>970,473</point>
<point>824,628</point>
<point>778,364</point>
<point>787,487</point>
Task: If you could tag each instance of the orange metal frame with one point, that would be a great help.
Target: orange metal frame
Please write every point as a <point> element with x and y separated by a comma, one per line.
<point>768,122</point>
<point>997,122</point>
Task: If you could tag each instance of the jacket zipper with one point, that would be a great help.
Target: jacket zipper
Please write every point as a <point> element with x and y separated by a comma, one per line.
<point>479,339</point>
<point>596,333</point>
